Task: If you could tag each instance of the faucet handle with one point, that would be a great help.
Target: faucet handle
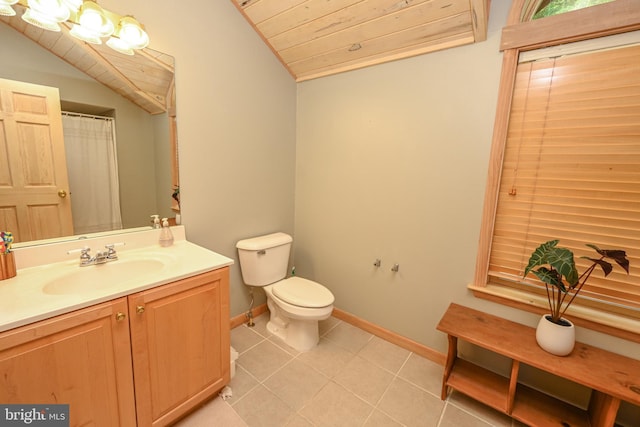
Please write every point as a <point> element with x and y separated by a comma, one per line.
<point>85,258</point>
<point>111,252</point>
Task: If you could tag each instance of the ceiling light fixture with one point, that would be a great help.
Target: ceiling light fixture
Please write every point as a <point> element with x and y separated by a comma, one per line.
<point>88,21</point>
<point>129,35</point>
<point>6,9</point>
<point>46,14</point>
<point>92,23</point>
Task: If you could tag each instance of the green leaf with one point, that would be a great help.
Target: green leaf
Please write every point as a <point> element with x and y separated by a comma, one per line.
<point>539,256</point>
<point>562,260</point>
<point>551,277</point>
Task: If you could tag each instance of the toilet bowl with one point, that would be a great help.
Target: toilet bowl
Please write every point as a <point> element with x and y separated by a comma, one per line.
<point>295,304</point>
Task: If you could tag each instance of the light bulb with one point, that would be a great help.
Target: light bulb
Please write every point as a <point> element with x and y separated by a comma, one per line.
<point>92,24</point>
<point>91,19</point>
<point>132,33</point>
<point>53,9</point>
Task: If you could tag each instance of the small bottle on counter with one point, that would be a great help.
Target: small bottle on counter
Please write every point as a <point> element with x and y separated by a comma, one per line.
<point>166,236</point>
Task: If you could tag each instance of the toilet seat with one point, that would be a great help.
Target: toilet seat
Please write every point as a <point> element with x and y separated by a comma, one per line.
<point>303,293</point>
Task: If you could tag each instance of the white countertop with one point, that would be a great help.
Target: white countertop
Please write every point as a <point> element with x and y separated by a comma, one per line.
<point>24,298</point>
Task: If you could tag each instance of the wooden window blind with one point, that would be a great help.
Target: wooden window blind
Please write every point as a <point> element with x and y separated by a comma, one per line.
<point>571,170</point>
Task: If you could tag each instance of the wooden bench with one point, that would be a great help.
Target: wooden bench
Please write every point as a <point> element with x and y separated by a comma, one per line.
<point>611,377</point>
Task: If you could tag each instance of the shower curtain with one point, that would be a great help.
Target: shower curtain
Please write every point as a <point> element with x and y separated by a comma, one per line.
<point>90,146</point>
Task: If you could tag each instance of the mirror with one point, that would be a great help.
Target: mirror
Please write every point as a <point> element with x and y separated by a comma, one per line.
<point>145,136</point>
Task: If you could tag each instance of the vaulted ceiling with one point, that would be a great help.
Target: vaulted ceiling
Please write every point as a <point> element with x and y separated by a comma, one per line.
<point>315,38</point>
<point>312,38</point>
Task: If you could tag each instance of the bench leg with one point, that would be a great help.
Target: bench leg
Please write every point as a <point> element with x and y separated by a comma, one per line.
<point>603,409</point>
<point>452,355</point>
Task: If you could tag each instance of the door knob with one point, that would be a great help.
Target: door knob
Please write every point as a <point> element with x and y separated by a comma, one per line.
<point>62,194</point>
<point>120,316</point>
<point>140,309</point>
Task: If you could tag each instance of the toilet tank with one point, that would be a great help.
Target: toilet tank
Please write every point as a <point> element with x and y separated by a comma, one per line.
<point>264,259</point>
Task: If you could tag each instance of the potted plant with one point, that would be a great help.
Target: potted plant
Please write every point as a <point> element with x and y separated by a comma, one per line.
<point>176,194</point>
<point>557,270</point>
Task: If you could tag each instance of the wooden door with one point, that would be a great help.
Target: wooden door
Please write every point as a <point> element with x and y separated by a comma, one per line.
<point>180,345</point>
<point>82,359</point>
<point>34,189</point>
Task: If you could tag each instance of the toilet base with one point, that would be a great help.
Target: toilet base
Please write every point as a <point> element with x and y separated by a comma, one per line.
<point>296,326</point>
<point>301,335</point>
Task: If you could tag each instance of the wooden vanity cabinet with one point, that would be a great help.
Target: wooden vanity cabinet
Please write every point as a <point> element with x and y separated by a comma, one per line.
<point>180,345</point>
<point>82,359</point>
<point>146,359</point>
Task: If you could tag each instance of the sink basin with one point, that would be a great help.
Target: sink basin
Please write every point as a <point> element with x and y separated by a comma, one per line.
<point>94,277</point>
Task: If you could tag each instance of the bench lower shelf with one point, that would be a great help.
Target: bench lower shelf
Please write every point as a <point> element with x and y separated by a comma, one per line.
<point>529,406</point>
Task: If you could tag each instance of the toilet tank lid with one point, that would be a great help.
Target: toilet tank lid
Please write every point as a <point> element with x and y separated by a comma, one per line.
<point>264,242</point>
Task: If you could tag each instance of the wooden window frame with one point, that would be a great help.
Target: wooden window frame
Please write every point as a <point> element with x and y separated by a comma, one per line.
<point>616,17</point>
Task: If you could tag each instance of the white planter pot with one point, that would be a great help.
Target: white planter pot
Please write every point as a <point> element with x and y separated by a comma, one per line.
<point>555,339</point>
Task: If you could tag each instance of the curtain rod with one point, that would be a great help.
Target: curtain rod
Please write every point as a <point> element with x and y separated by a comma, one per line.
<point>90,116</point>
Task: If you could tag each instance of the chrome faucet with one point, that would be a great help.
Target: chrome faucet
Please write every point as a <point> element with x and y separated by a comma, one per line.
<point>100,257</point>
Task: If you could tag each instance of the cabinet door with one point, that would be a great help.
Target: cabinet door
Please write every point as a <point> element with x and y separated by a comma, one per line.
<point>82,359</point>
<point>180,342</point>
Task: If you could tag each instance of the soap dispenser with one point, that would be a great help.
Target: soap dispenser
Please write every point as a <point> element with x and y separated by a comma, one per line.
<point>166,237</point>
<point>156,221</point>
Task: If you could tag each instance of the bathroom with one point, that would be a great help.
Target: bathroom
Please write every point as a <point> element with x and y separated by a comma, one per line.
<point>388,162</point>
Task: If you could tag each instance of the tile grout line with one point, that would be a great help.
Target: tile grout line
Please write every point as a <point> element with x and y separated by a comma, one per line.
<point>396,375</point>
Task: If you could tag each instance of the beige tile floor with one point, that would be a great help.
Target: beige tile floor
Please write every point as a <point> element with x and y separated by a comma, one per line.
<point>352,378</point>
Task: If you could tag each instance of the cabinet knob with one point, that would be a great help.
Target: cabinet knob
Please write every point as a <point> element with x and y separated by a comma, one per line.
<point>140,309</point>
<point>120,316</point>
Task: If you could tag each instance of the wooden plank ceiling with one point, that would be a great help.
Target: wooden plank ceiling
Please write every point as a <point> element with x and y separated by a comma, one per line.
<point>146,78</point>
<point>315,38</point>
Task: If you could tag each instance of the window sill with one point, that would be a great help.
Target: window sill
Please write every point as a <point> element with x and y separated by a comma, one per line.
<point>590,318</point>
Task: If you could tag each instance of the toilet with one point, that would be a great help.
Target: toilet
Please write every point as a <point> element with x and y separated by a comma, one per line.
<point>296,304</point>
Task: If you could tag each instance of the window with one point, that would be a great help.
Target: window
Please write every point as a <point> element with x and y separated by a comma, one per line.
<point>566,165</point>
<point>555,7</point>
<point>571,167</point>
